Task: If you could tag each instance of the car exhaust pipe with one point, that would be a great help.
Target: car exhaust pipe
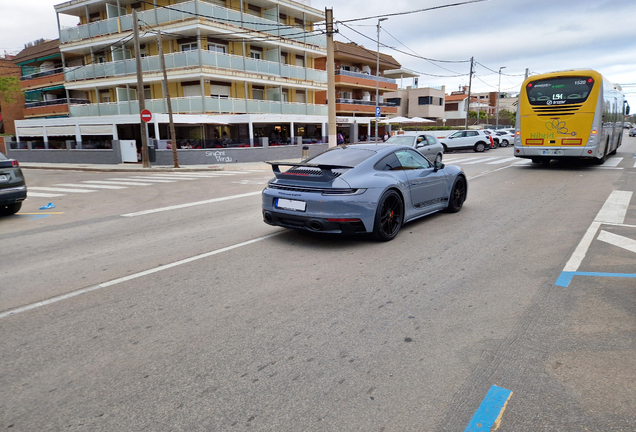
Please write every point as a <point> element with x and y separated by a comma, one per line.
<point>267,217</point>
<point>315,225</point>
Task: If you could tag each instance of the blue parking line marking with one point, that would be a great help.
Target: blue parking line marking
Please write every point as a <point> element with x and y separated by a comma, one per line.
<point>566,277</point>
<point>490,410</point>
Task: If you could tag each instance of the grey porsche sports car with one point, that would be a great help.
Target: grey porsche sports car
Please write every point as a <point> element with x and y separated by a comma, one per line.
<point>361,188</point>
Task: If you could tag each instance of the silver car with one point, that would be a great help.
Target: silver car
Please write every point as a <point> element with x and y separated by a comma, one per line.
<point>426,144</point>
<point>361,188</point>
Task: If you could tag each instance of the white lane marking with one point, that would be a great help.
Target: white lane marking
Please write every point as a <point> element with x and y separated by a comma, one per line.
<point>613,211</point>
<point>612,162</point>
<point>42,195</point>
<point>54,189</point>
<point>616,240</point>
<point>191,204</point>
<point>615,208</point>
<point>132,276</point>
<point>91,186</point>
<point>523,162</point>
<point>489,172</point>
<point>634,164</point>
<point>500,161</point>
<point>193,175</point>
<point>146,179</point>
<point>107,182</point>
<point>476,161</point>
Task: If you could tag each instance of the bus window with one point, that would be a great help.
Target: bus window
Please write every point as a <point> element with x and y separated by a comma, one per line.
<point>559,90</point>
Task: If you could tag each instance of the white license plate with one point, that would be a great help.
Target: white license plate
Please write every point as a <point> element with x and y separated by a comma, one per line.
<point>287,204</point>
<point>552,152</point>
<point>3,178</point>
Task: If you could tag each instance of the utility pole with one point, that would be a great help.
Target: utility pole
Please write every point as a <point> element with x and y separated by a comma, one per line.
<point>166,92</point>
<point>377,81</point>
<point>498,90</point>
<point>140,92</point>
<point>331,81</point>
<point>470,83</point>
<point>527,74</point>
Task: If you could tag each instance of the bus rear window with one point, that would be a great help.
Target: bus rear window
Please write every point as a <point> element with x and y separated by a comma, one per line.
<point>559,91</point>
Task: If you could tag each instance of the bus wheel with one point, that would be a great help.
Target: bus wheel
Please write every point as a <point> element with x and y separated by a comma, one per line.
<point>602,160</point>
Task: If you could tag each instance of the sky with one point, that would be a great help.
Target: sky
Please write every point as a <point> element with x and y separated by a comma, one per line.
<point>538,35</point>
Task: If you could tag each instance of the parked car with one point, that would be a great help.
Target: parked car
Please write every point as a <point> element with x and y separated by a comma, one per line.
<point>361,188</point>
<point>632,132</point>
<point>428,145</point>
<point>476,140</point>
<point>505,138</point>
<point>12,186</point>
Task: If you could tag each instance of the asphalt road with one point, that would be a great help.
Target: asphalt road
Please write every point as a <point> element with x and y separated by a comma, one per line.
<point>203,318</point>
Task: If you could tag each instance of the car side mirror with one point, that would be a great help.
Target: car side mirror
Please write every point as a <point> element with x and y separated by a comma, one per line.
<point>438,166</point>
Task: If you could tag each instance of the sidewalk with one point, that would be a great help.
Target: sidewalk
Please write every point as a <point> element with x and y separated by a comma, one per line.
<point>137,167</point>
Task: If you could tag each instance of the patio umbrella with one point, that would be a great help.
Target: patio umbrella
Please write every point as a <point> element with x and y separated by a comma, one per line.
<point>396,120</point>
<point>421,120</point>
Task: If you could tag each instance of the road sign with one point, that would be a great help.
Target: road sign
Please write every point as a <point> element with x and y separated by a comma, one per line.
<point>378,112</point>
<point>146,115</point>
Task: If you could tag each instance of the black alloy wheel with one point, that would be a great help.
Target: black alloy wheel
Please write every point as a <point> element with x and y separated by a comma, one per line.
<point>389,216</point>
<point>457,196</point>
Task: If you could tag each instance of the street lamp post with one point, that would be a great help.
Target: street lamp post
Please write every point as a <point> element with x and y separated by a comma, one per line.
<point>498,89</point>
<point>377,81</point>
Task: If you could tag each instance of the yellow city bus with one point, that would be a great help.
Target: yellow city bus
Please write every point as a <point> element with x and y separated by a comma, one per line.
<point>569,114</point>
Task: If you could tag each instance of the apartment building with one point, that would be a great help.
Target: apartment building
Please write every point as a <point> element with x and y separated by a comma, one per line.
<point>356,79</point>
<point>238,72</point>
<point>426,102</point>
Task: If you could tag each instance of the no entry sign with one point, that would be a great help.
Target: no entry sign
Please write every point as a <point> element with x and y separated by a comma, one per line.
<point>146,115</point>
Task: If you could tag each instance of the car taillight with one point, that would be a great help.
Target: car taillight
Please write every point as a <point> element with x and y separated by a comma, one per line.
<point>14,163</point>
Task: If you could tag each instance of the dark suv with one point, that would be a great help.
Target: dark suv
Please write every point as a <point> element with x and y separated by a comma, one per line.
<point>12,186</point>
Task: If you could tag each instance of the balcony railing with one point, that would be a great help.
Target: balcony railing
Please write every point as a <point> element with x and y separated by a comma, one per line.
<point>365,76</point>
<point>363,102</point>
<point>60,101</point>
<point>187,10</point>
<point>191,59</point>
<point>194,105</point>
<point>42,74</point>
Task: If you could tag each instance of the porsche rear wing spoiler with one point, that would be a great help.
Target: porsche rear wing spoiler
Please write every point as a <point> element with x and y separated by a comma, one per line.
<point>326,171</point>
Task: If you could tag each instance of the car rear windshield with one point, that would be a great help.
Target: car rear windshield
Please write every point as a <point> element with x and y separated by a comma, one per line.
<point>560,90</point>
<point>346,156</point>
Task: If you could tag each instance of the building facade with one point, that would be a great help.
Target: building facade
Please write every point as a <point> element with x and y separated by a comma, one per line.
<point>427,102</point>
<point>241,74</point>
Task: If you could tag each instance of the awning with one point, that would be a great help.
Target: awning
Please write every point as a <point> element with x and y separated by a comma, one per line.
<point>36,131</point>
<point>96,129</point>
<point>61,130</point>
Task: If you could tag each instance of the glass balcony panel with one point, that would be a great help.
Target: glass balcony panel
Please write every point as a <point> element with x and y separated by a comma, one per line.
<point>236,62</point>
<point>228,105</point>
<point>179,60</point>
<point>147,17</point>
<point>192,58</point>
<point>126,22</point>
<point>83,32</point>
<point>163,15</point>
<point>212,104</point>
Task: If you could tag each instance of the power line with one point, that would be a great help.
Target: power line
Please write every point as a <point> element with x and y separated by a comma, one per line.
<point>414,11</point>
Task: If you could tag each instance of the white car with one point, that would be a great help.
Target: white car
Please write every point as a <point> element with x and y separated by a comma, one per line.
<point>632,132</point>
<point>477,140</point>
<point>505,138</point>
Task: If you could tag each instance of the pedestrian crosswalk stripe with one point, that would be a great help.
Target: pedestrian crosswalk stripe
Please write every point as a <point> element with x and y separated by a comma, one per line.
<point>107,182</point>
<point>92,186</point>
<point>56,189</point>
<point>41,195</point>
<point>171,177</point>
<point>500,161</point>
<point>144,178</point>
<point>612,162</point>
<point>476,161</point>
<point>454,161</point>
<point>523,162</point>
